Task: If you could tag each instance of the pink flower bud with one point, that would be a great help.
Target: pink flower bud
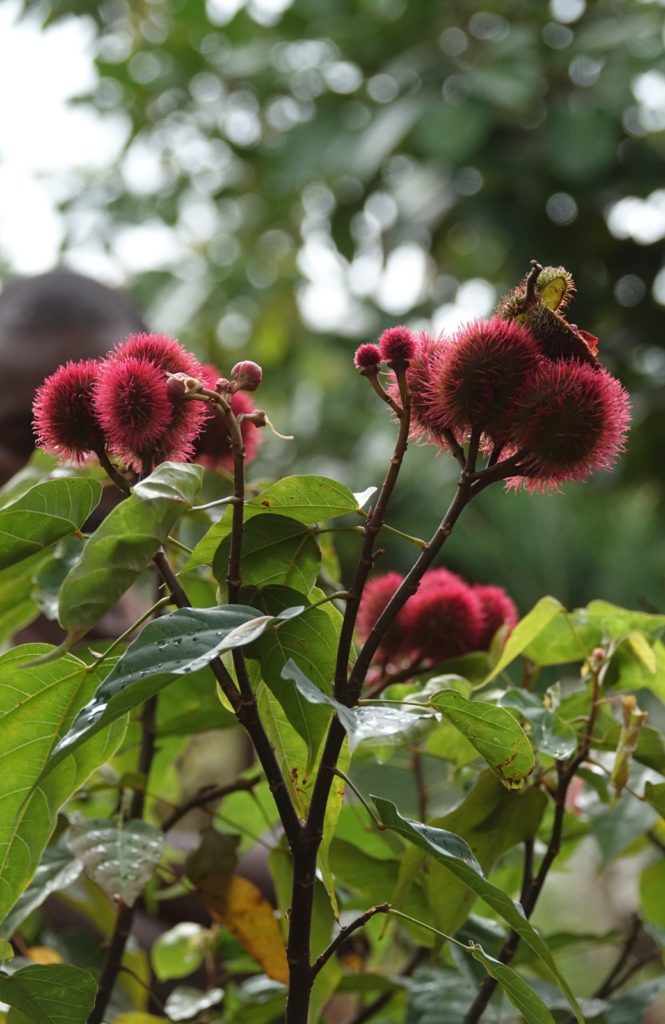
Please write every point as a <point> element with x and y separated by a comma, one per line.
<point>397,345</point>
<point>367,359</point>
<point>246,375</point>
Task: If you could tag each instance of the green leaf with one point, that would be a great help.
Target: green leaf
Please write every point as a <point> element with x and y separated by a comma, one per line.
<point>526,631</point>
<point>184,1002</point>
<point>655,795</point>
<point>17,605</point>
<point>310,641</point>
<point>570,636</point>
<point>276,551</point>
<point>58,870</point>
<point>616,622</point>
<point>307,499</point>
<point>549,732</point>
<point>170,646</point>
<point>494,732</point>
<point>50,994</point>
<point>374,725</point>
<point>47,512</point>
<point>37,703</point>
<point>652,887</point>
<point>180,951</point>
<point>123,546</point>
<point>51,575</point>
<point>529,1004</point>
<point>436,842</point>
<point>120,858</point>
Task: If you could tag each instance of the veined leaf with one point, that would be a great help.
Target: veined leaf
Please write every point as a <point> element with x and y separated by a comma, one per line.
<point>123,546</point>
<point>57,870</point>
<point>50,994</point>
<point>276,551</point>
<point>436,842</point>
<point>37,703</point>
<point>549,731</point>
<point>308,499</point>
<point>47,512</point>
<point>494,732</point>
<point>170,646</point>
<point>121,859</point>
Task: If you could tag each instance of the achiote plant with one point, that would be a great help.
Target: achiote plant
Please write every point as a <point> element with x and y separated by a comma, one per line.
<point>327,679</point>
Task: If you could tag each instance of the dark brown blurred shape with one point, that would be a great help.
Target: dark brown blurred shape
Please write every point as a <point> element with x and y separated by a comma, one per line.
<point>45,321</point>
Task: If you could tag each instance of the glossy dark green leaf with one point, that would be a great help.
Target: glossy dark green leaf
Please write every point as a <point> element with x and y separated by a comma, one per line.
<point>307,499</point>
<point>276,551</point>
<point>494,732</point>
<point>123,546</point>
<point>170,646</point>
<point>49,578</point>
<point>58,870</point>
<point>549,732</point>
<point>37,704</point>
<point>120,857</point>
<point>458,858</point>
<point>371,724</point>
<point>526,631</point>
<point>521,995</point>
<point>50,994</point>
<point>47,512</point>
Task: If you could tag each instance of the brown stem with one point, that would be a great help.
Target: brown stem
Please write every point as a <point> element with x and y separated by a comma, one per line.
<point>123,926</point>
<point>606,988</point>
<point>343,934</point>
<point>206,796</point>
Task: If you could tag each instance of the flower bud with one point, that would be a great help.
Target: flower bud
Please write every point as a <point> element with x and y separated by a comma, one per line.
<point>397,346</point>
<point>179,385</point>
<point>246,375</point>
<point>367,359</point>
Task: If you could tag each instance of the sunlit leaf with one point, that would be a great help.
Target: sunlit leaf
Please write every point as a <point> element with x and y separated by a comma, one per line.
<point>526,631</point>
<point>179,951</point>
<point>37,703</point>
<point>184,1002</point>
<point>494,732</point>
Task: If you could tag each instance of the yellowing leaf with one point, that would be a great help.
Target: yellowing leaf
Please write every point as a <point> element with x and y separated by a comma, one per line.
<point>44,955</point>
<point>138,1018</point>
<point>238,904</point>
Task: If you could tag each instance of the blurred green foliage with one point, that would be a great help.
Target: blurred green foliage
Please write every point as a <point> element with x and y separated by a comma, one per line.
<point>327,169</point>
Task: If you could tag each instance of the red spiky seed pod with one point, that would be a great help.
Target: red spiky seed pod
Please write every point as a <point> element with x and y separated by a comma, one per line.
<point>475,377</point>
<point>65,421</point>
<point>397,346</point>
<point>133,406</point>
<point>246,376</point>
<point>443,619</point>
<point>213,446</point>
<point>187,418</point>
<point>367,359</point>
<point>570,420</point>
<point>418,376</point>
<point>376,595</point>
<point>497,610</point>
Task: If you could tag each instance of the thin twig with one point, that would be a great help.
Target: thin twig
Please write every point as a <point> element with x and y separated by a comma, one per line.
<point>606,988</point>
<point>206,796</point>
<point>343,934</point>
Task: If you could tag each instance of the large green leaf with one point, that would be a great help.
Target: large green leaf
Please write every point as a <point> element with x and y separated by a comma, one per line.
<point>123,546</point>
<point>37,703</point>
<point>47,512</point>
<point>276,551</point>
<point>436,842</point>
<point>120,857</point>
<point>526,631</point>
<point>50,994</point>
<point>170,646</point>
<point>529,1004</point>
<point>17,604</point>
<point>494,732</point>
<point>307,499</point>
